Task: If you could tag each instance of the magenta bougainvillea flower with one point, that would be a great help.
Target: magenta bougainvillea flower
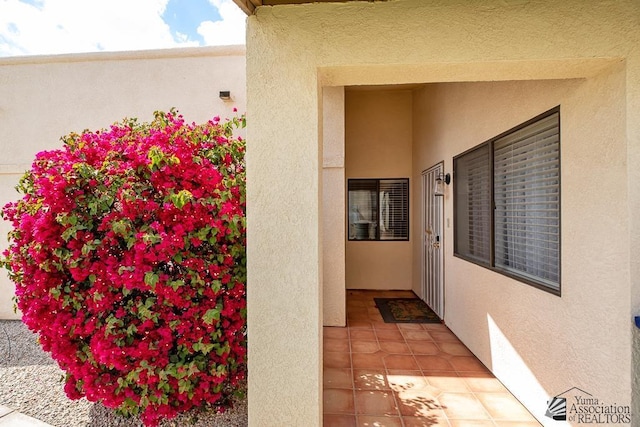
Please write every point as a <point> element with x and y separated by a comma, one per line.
<point>128,256</point>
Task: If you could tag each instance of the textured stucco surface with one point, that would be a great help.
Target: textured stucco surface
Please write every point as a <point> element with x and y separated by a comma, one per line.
<point>333,208</point>
<point>45,97</point>
<point>292,51</point>
<point>378,145</point>
<point>519,332</point>
<point>284,164</point>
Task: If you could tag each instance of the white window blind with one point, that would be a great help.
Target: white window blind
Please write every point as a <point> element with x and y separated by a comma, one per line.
<point>394,209</point>
<point>527,201</point>
<point>472,180</point>
<point>378,209</point>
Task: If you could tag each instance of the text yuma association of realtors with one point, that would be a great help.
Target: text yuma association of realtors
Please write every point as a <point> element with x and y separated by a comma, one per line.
<point>591,410</point>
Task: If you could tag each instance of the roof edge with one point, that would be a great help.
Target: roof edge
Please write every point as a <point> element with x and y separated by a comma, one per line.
<point>178,52</point>
<point>248,6</point>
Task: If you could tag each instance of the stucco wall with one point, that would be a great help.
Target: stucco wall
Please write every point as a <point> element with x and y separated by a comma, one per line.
<point>333,205</point>
<point>292,51</point>
<point>45,97</point>
<point>519,332</point>
<point>378,145</point>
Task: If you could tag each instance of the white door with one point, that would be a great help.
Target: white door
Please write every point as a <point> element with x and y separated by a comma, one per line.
<point>432,234</point>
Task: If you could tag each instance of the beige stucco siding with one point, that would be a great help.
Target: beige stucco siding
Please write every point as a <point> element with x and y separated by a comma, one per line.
<point>333,208</point>
<point>378,145</point>
<point>518,331</point>
<point>292,51</point>
<point>283,239</point>
<point>45,97</point>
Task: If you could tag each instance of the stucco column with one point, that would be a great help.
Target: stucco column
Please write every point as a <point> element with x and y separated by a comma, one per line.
<point>333,209</point>
<point>283,233</point>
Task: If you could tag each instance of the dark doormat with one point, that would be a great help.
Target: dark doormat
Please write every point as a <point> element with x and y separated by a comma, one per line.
<point>405,310</point>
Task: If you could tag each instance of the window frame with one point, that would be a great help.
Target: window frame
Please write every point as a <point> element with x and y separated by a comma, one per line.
<point>491,263</point>
<point>377,216</point>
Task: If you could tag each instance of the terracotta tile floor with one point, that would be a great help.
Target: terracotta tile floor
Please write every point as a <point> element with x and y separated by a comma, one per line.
<point>380,374</point>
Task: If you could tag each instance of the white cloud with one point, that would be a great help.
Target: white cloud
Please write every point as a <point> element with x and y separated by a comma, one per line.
<point>67,26</point>
<point>230,30</point>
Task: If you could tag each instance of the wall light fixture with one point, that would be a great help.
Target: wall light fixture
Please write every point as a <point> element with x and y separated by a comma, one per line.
<point>441,180</point>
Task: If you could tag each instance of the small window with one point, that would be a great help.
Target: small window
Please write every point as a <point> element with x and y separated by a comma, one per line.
<point>507,203</point>
<point>378,209</point>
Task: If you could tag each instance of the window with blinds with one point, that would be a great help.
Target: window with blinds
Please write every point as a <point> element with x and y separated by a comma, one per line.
<point>526,181</point>
<point>472,188</point>
<point>378,209</point>
<point>507,203</point>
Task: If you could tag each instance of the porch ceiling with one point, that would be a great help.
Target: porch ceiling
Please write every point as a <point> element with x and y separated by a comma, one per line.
<point>249,6</point>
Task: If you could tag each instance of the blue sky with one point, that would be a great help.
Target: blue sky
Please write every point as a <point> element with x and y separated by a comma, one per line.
<point>42,27</point>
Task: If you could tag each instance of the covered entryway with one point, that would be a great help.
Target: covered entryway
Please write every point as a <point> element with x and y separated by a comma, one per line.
<point>440,129</point>
<point>384,226</point>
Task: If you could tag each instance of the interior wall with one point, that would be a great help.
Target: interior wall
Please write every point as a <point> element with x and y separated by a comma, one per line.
<point>378,138</point>
<point>537,343</point>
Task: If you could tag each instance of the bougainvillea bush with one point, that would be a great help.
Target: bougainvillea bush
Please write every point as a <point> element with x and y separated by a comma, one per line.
<point>128,256</point>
